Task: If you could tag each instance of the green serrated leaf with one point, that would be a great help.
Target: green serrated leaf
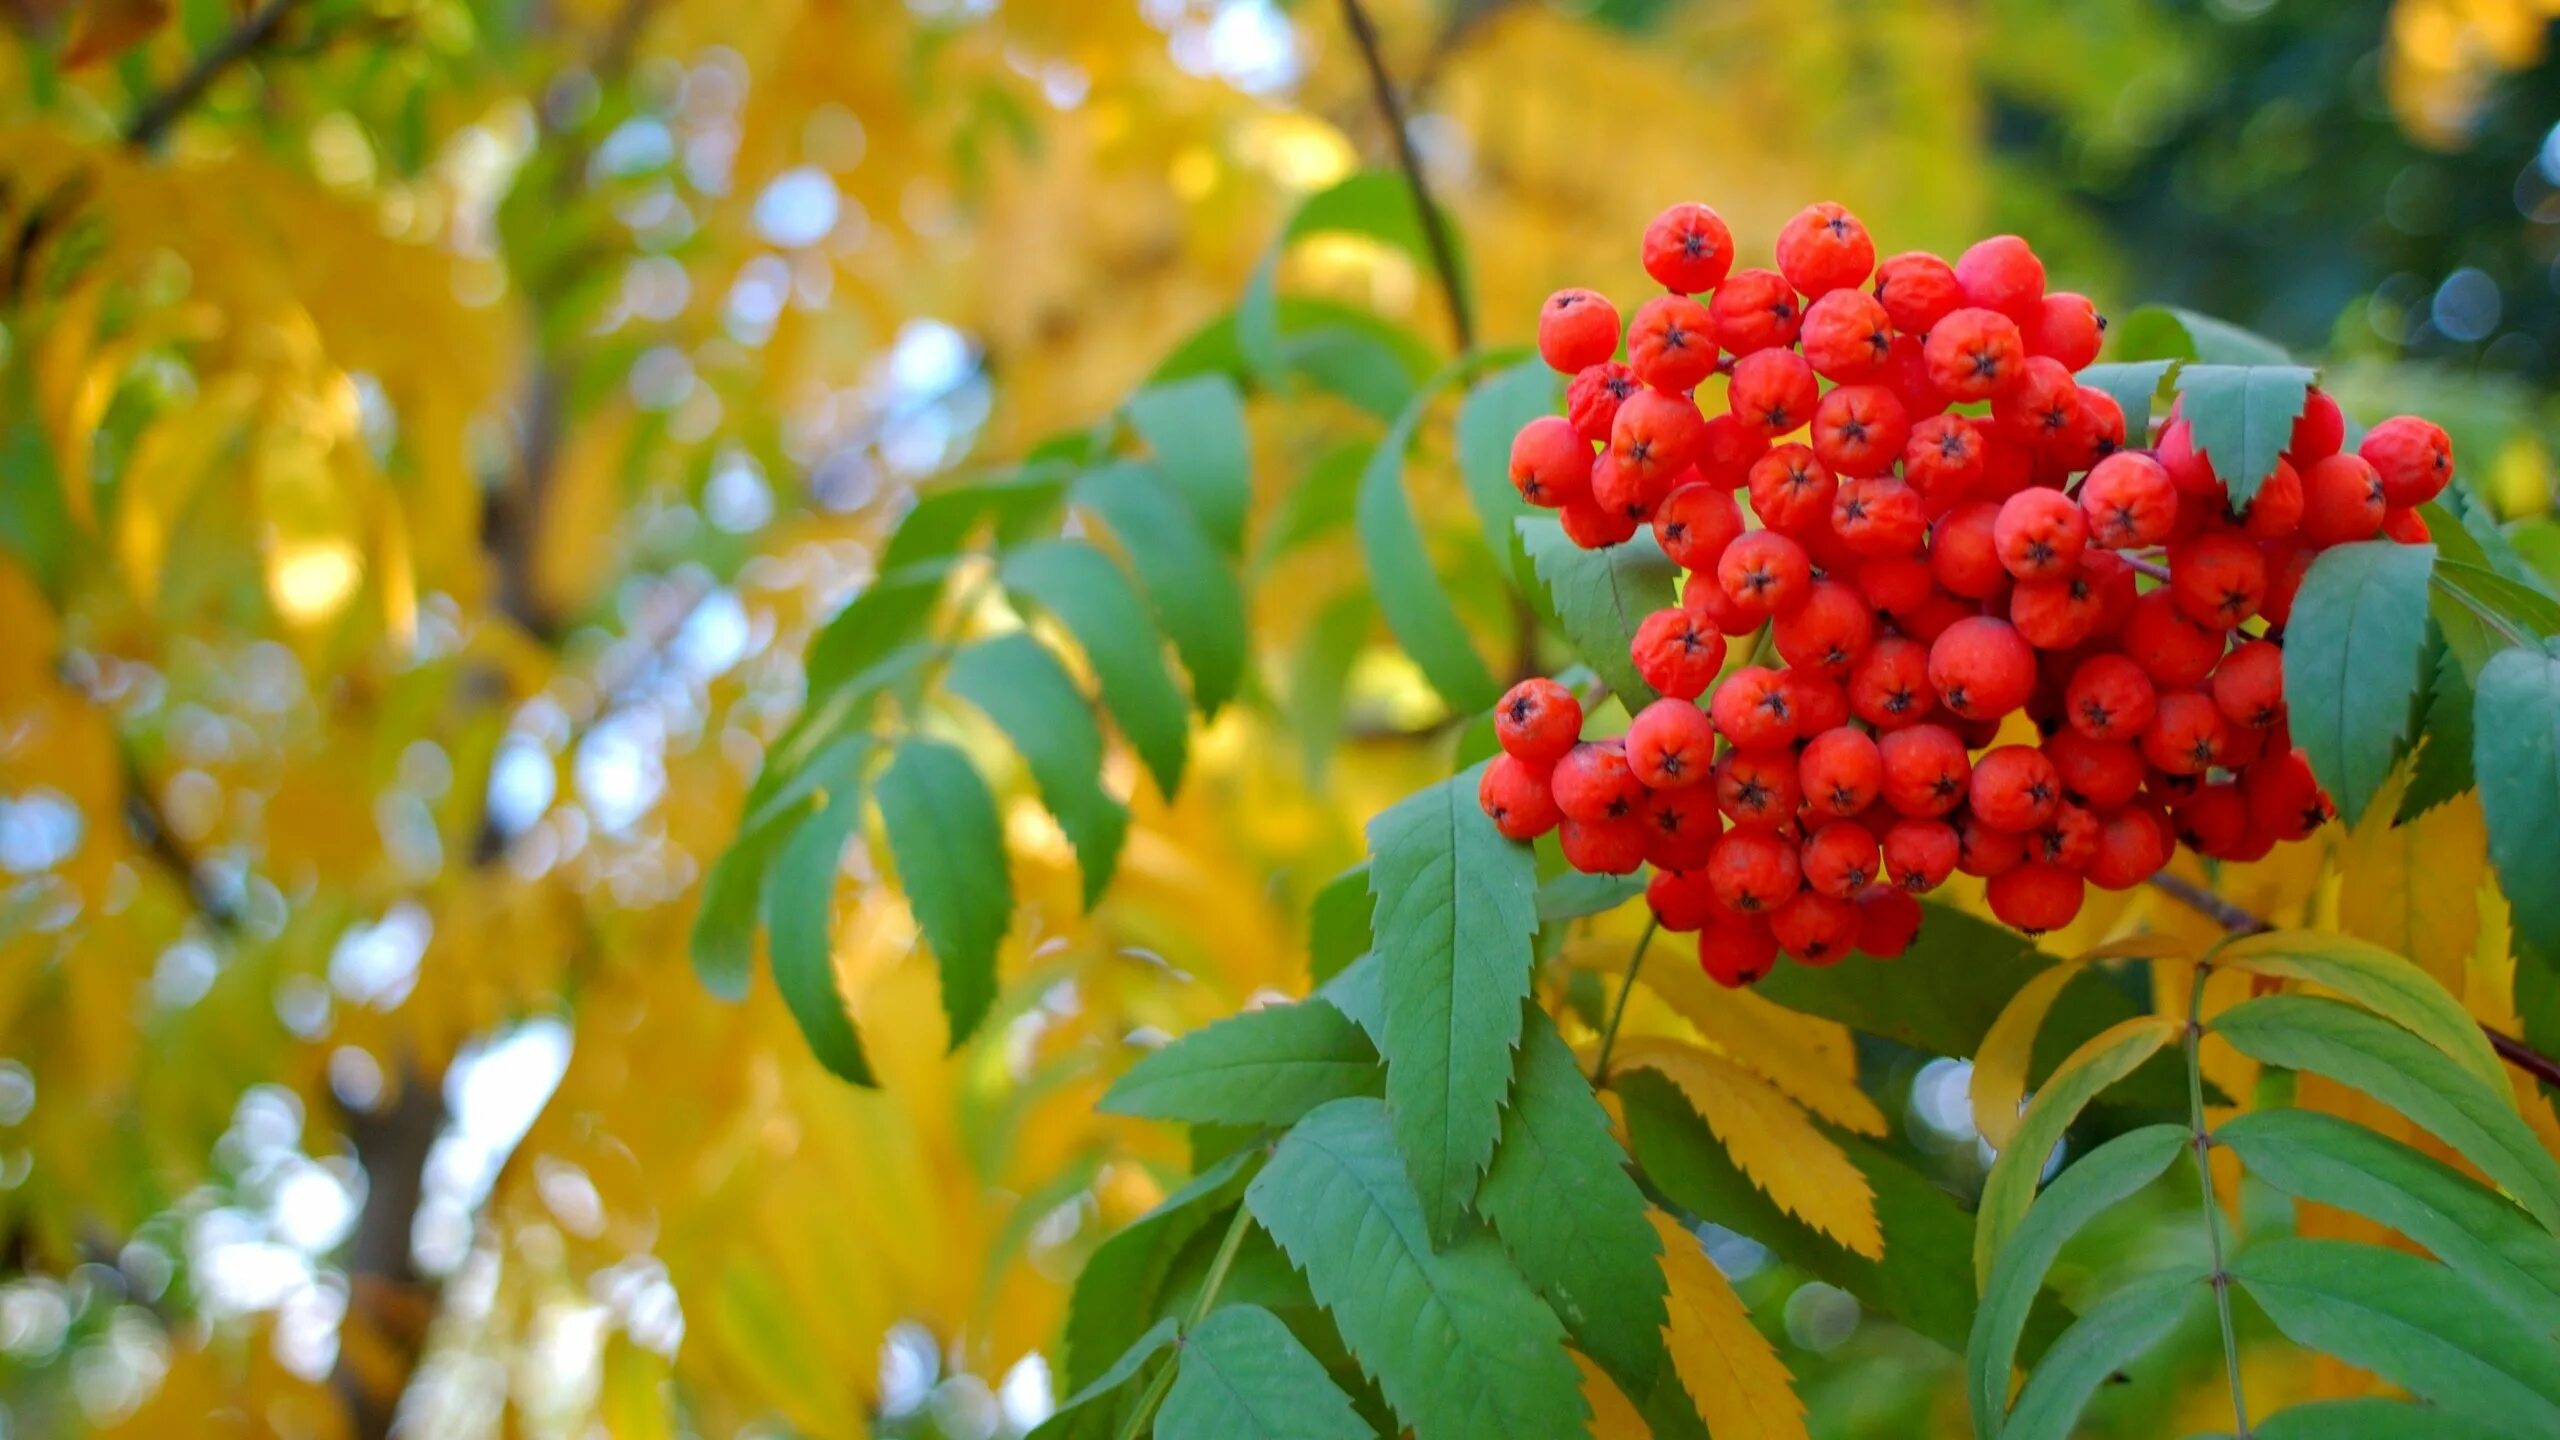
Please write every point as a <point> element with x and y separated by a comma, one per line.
<point>2514,612</point>
<point>800,924</point>
<point>1456,1339</point>
<point>1456,907</point>
<point>723,939</point>
<point>1196,427</point>
<point>2517,740</point>
<point>1020,686</point>
<point>1121,1289</point>
<point>2011,1187</point>
<point>2165,331</point>
<point>887,612</point>
<point>2096,1182</point>
<point>948,843</point>
<point>2134,384</point>
<point>1094,1412</point>
<point>1263,1067</point>
<point>2351,653</point>
<point>1491,415</point>
<point>1408,592</point>
<point>2443,768</point>
<point>1601,596</point>
<point>2333,1038</point>
<point>943,520</point>
<point>1338,923</point>
<point>1360,993</point>
<point>2241,417</point>
<point>1576,894</point>
<point>2380,981</point>
<point>1321,673</point>
<point>1195,597</point>
<point>2479,1233</point>
<point>1094,600</point>
<point>2109,1336</point>
<point>1245,1377</point>
<point>1560,1197</point>
<point>2414,1323</point>
<point>2361,1419</point>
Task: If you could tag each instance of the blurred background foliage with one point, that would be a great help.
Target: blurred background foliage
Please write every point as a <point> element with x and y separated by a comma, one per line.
<point>432,427</point>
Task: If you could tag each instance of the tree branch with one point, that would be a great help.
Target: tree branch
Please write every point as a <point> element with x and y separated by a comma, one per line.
<point>150,124</point>
<point>1435,226</point>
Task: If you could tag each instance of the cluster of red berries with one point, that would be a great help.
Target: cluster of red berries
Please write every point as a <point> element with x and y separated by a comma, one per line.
<point>1960,532</point>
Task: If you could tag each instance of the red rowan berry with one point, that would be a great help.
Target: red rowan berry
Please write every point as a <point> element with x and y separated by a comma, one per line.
<point>2414,459</point>
<point>1817,701</point>
<point>1984,850</point>
<point>2185,734</point>
<point>1549,463</point>
<point>2287,563</point>
<point>2405,527</point>
<point>2284,797</point>
<point>1894,584</point>
<point>1841,772</point>
<point>1605,847</point>
<point>2318,431</point>
<point>2213,820</point>
<point>1593,782</point>
<point>1790,490</point>
<point>1682,899</point>
<point>1677,653</point>
<point>1671,743</point>
<point>1828,632</point>
<point>1935,615</point>
<point>2040,534</point>
<point>2166,789</point>
<point>2342,501</point>
<point>1888,921</point>
<point>1688,249</point>
<point>1906,372</point>
<point>1592,400</point>
<point>1964,553</point>
<point>1823,249</point>
<point>1982,668</point>
<point>1671,344</point>
<point>2241,746</point>
<point>2132,846</point>
<point>1593,526</point>
<point>1926,770</point>
<point>2129,500</point>
<point>1815,928</point>
<point>2014,788</point>
<point>2173,650</point>
<point>2058,613</point>
<point>1764,573</point>
<point>2003,274</point>
<point>2102,774</point>
<point>1681,827</point>
<point>1773,391</point>
<point>1756,310</point>
<point>2007,467</point>
<point>2040,407</point>
<point>1920,853</point>
<point>2248,686</point>
<point>1974,353</point>
<point>1847,336</point>
<point>1879,517</point>
<point>1751,708</point>
<point>1840,859</point>
<point>1537,720</point>
<point>1517,798</point>
<point>1943,458</point>
<point>1758,787</point>
<point>2069,839</point>
<point>1917,290</point>
<point>1631,491</point>
<point>1754,871</point>
<point>1889,686</point>
<point>1731,449</point>
<point>2068,328</point>
<point>1706,599</point>
<point>1736,951</point>
<point>2190,469</point>
<point>2099,434</point>
<point>2218,579</point>
<point>1657,435</point>
<point>1860,430</point>
<point>2036,897</point>
<point>2114,577</point>
<point>1694,523</point>
<point>1576,329</point>
<point>2275,511</point>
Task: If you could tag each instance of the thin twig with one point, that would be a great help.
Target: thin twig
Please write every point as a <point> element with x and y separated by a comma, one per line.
<point>2146,567</point>
<point>2203,1148</point>
<point>1208,1296</point>
<point>1435,228</point>
<point>1609,1037</point>
<point>150,124</point>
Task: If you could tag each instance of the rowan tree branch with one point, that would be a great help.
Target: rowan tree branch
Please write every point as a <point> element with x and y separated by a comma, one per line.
<point>151,123</point>
<point>1435,226</point>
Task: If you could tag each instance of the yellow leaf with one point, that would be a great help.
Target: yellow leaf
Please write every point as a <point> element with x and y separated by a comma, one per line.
<point>2376,979</point>
<point>1730,1369</point>
<point>1808,1057</point>
<point>2414,889</point>
<point>2008,1048</point>
<point>1613,1416</point>
<point>1771,1139</point>
<point>171,458</point>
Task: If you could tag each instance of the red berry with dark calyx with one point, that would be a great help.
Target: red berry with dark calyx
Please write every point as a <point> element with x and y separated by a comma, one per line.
<point>2036,897</point>
<point>1538,721</point>
<point>1758,788</point>
<point>1594,783</point>
<point>1815,928</point>
<point>1928,772</point>
<point>1920,854</point>
<point>1773,391</point>
<point>1982,668</point>
<point>1682,900</point>
<point>1756,310</point>
<point>1671,744</point>
<point>1754,871</point>
<point>1973,354</point>
<point>1550,464</point>
<point>1847,336</point>
<point>1791,491</point>
<point>1681,828</point>
<point>1678,653</point>
<point>1828,632</point>
<point>1671,344</point>
<point>1823,249</point>
<point>1688,249</point>
<point>2003,274</point>
<point>1737,951</point>
<point>2343,500</point>
<point>1751,709</point>
<point>1591,402</point>
<point>1517,798</point>
<point>1888,921</point>
<point>1765,573</point>
<point>1840,859</point>
<point>1841,772</point>
<point>1605,847</point>
<point>2068,328</point>
<point>2413,457</point>
<point>1577,329</point>
<point>2129,500</point>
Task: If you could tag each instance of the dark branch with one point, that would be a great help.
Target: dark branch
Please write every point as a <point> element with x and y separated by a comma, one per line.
<point>1435,226</point>
<point>150,124</point>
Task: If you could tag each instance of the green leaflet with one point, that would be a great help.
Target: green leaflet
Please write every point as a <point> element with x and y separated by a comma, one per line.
<point>2094,1183</point>
<point>1263,1067</point>
<point>2166,331</point>
<point>799,923</point>
<point>1320,673</point>
<point>2516,605</point>
<point>1343,350</point>
<point>1196,427</point>
<point>1601,596</point>
<point>2443,768</point>
<point>2378,980</point>
<point>1122,1287</point>
<point>1455,912</point>
<point>2011,1187</point>
<point>943,519</point>
<point>887,612</point>
<point>1019,685</point>
<point>2133,384</point>
<point>1560,1197</point>
<point>1359,991</point>
<point>2241,417</point>
<point>1488,418</point>
<point>2354,1420</point>
<point>2517,741</point>
<point>2351,654</point>
<point>1459,1343</point>
<point>1195,597</point>
<point>2332,1038</point>
<point>2477,1232</point>
<point>1245,1377</point>
<point>1408,592</point>
<point>1375,203</point>
<point>1078,583</point>
<point>1338,923</point>
<point>2414,1323</point>
<point>723,940</point>
<point>2108,1336</point>
<point>1094,1412</point>
<point>1575,894</point>
<point>949,846</point>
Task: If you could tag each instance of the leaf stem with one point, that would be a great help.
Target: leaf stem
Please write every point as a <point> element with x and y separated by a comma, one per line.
<point>1226,1259</point>
<point>151,123</point>
<point>2204,1185</point>
<point>1435,227</point>
<point>1618,1013</point>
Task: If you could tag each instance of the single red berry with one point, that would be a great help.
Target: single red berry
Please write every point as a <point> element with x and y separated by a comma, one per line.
<point>1537,720</point>
<point>2129,500</point>
<point>2099,434</point>
<point>2405,527</point>
<point>2173,650</point>
<point>2101,774</point>
<point>1815,928</point>
<point>2185,734</point>
<point>1550,464</point>
<point>1754,871</point>
<point>1671,743</point>
<point>1605,847</point>
<point>2040,407</point>
<point>2318,431</point>
<point>2248,686</point>
<point>2069,839</point>
<point>2342,501</point>
<point>2036,897</point>
<point>1731,448</point>
<point>1791,491</point>
<point>1879,517</point>
<point>1671,344</point>
<point>1694,523</point>
<point>1517,797</point>
<point>1828,632</point>
<point>1927,771</point>
<point>1906,371</point>
<point>1576,329</point>
<point>2014,788</point>
<point>2040,534</point>
<point>2413,457</point>
<point>1888,921</point>
<point>1593,526</point>
<point>1758,787</point>
<point>1934,616</point>
<point>2284,797</point>
<point>1889,686</point>
<point>1764,573</point>
<point>1917,290</point>
<point>1982,668</point>
<point>1737,951</point>
<point>1894,584</point>
<point>2003,274</point>
<point>1657,435</point>
<point>1688,249</point>
<point>2218,579</point>
<point>1633,492</point>
<point>1751,710</point>
<point>1964,552</point>
<point>1920,853</point>
<point>1974,353</point>
<point>2133,844</point>
<point>1823,249</point>
<point>2058,613</point>
<point>1984,850</point>
<point>1681,827</point>
<point>1706,599</point>
<point>2242,745</point>
<point>1593,782</point>
<point>1682,899</point>
<point>2276,510</point>
<point>1943,458</point>
<point>2114,577</point>
<point>1841,771</point>
<point>1860,430</point>
<point>2068,328</point>
<point>1847,336</point>
<point>1755,310</point>
<point>1840,859</point>
<point>2190,469</point>
<point>1591,402</point>
<point>2212,820</point>
<point>1817,701</point>
<point>1773,391</point>
<point>1677,653</point>
<point>2287,563</point>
